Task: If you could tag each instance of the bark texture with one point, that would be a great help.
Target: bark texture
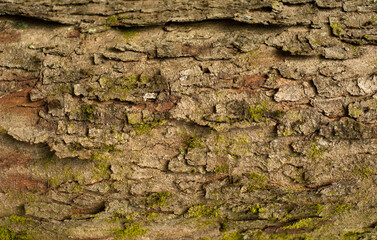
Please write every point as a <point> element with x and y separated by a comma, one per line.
<point>188,119</point>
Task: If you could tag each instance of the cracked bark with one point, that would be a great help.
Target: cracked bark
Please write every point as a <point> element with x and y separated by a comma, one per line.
<point>188,120</point>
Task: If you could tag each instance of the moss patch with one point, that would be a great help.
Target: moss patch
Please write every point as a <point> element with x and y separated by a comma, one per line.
<point>88,111</point>
<point>158,199</point>
<point>202,210</point>
<point>303,223</point>
<point>102,165</point>
<point>256,182</point>
<point>194,142</point>
<point>131,231</point>
<point>315,151</point>
<point>6,234</point>
<point>257,112</point>
<point>147,126</point>
<point>233,236</point>
<point>337,29</point>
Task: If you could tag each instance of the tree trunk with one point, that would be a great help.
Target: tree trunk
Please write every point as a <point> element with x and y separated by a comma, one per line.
<point>188,119</point>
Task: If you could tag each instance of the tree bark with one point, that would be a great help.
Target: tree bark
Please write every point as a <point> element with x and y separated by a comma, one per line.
<point>188,119</point>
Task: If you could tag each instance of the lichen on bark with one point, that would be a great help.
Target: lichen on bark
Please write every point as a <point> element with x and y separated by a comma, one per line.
<point>188,119</point>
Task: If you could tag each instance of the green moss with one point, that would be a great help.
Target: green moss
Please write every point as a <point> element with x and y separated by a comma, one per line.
<point>339,208</point>
<point>303,223</point>
<point>112,20</point>
<point>102,165</point>
<point>88,111</point>
<point>108,147</point>
<point>222,168</point>
<point>17,196</point>
<point>315,151</point>
<point>6,234</point>
<point>181,150</point>
<point>232,236</point>
<point>151,216</point>
<point>147,126</point>
<point>158,199</point>
<point>19,219</point>
<point>351,235</point>
<point>235,146</point>
<point>131,231</point>
<point>129,34</point>
<point>201,210</point>
<point>319,208</point>
<point>363,172</point>
<point>256,182</point>
<point>337,29</point>
<point>287,133</point>
<point>54,181</point>
<point>253,53</point>
<point>64,88</point>
<point>256,112</point>
<point>224,227</point>
<point>256,209</point>
<point>315,42</point>
<point>194,142</point>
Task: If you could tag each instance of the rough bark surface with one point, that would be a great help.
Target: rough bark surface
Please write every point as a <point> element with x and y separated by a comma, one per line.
<point>188,119</point>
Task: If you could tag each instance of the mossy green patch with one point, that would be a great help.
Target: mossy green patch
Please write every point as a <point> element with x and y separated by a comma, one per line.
<point>112,20</point>
<point>194,142</point>
<point>88,111</point>
<point>339,208</point>
<point>302,223</point>
<point>202,210</point>
<point>224,168</point>
<point>233,236</point>
<point>19,219</point>
<point>351,235</point>
<point>129,34</point>
<point>287,133</point>
<point>64,88</point>
<point>257,112</point>
<point>224,227</point>
<point>234,146</point>
<point>147,126</point>
<point>256,209</point>
<point>256,181</point>
<point>108,147</point>
<point>6,234</point>
<point>102,165</point>
<point>131,228</point>
<point>337,29</point>
<point>315,151</point>
<point>363,171</point>
<point>158,199</point>
<point>130,231</point>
